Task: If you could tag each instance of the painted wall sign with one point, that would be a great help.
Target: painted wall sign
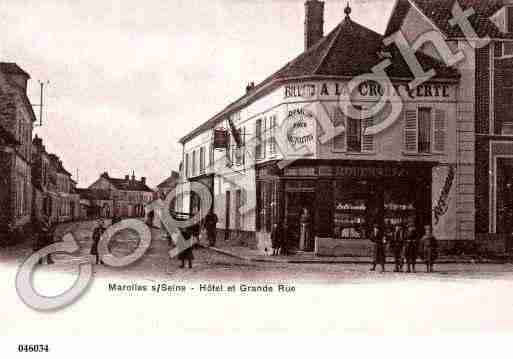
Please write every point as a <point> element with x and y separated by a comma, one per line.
<point>371,172</point>
<point>300,127</point>
<point>369,89</point>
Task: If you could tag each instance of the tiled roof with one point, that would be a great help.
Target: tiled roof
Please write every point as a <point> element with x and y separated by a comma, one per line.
<point>170,181</point>
<point>93,194</point>
<point>348,50</point>
<point>58,164</point>
<point>7,138</point>
<point>439,12</point>
<point>129,185</point>
<point>12,68</point>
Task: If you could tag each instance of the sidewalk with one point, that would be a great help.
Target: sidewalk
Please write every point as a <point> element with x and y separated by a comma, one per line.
<point>253,255</point>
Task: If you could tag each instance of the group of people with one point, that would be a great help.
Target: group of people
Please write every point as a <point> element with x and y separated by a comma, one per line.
<point>43,236</point>
<point>406,245</point>
<point>279,235</point>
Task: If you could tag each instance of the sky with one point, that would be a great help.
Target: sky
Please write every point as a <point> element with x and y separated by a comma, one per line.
<point>128,78</point>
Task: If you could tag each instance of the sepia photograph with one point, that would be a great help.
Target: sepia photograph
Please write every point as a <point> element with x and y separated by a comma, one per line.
<point>262,168</point>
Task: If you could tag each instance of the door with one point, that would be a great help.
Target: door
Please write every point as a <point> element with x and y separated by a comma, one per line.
<point>227,215</point>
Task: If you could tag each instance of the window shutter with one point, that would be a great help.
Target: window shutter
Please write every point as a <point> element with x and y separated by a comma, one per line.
<point>264,138</point>
<point>338,118</point>
<point>410,131</point>
<point>211,155</point>
<point>272,131</point>
<point>367,140</point>
<point>440,130</point>
<point>258,139</point>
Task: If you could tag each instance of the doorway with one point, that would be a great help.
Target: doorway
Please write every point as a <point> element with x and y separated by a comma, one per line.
<point>227,215</point>
<point>294,204</point>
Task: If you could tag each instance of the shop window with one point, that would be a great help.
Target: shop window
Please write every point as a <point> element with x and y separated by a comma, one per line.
<point>351,210</point>
<point>399,203</point>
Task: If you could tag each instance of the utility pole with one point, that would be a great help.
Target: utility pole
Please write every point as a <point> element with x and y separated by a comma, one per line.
<point>41,101</point>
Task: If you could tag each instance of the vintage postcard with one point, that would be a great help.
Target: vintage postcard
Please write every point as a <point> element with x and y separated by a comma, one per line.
<point>299,167</point>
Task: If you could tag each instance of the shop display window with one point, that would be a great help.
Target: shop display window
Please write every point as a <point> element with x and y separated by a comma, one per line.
<point>351,210</point>
<point>399,205</point>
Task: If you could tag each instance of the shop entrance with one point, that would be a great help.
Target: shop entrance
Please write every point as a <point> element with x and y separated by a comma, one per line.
<point>295,203</point>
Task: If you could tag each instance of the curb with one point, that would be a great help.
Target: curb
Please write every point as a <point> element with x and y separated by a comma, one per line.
<point>341,261</point>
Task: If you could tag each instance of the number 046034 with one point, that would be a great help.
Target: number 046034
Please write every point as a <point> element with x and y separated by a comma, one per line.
<point>33,348</point>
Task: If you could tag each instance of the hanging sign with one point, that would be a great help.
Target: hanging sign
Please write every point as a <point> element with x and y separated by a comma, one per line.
<point>220,138</point>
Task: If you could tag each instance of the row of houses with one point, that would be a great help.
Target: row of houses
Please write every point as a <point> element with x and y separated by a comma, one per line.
<point>110,197</point>
<point>33,182</point>
<point>445,159</point>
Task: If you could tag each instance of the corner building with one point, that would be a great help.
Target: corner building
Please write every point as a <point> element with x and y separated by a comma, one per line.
<point>419,168</point>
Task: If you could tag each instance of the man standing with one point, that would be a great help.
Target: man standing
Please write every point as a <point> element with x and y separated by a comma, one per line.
<point>97,234</point>
<point>276,238</point>
<point>411,248</point>
<point>429,249</point>
<point>379,242</point>
<point>186,253</point>
<point>397,246</point>
<point>211,227</point>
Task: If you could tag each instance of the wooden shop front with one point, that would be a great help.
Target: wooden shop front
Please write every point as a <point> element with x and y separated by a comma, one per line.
<point>344,198</point>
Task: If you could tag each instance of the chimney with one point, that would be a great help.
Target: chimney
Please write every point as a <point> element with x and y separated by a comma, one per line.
<point>250,86</point>
<point>37,141</point>
<point>127,177</point>
<point>314,22</point>
<point>143,180</point>
<point>105,175</point>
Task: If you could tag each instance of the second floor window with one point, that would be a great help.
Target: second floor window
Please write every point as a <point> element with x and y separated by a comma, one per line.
<point>202,160</point>
<point>424,136</point>
<point>258,139</point>
<point>187,166</point>
<point>354,134</point>
<point>425,130</point>
<point>193,163</point>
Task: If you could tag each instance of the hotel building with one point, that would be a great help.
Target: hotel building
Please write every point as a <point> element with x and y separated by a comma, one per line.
<point>438,153</point>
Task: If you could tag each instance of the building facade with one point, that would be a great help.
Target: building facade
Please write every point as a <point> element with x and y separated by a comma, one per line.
<point>54,191</point>
<point>389,150</point>
<point>167,185</point>
<point>16,120</point>
<point>127,197</point>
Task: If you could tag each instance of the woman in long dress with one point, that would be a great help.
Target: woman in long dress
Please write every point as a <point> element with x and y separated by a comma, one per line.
<point>305,231</point>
